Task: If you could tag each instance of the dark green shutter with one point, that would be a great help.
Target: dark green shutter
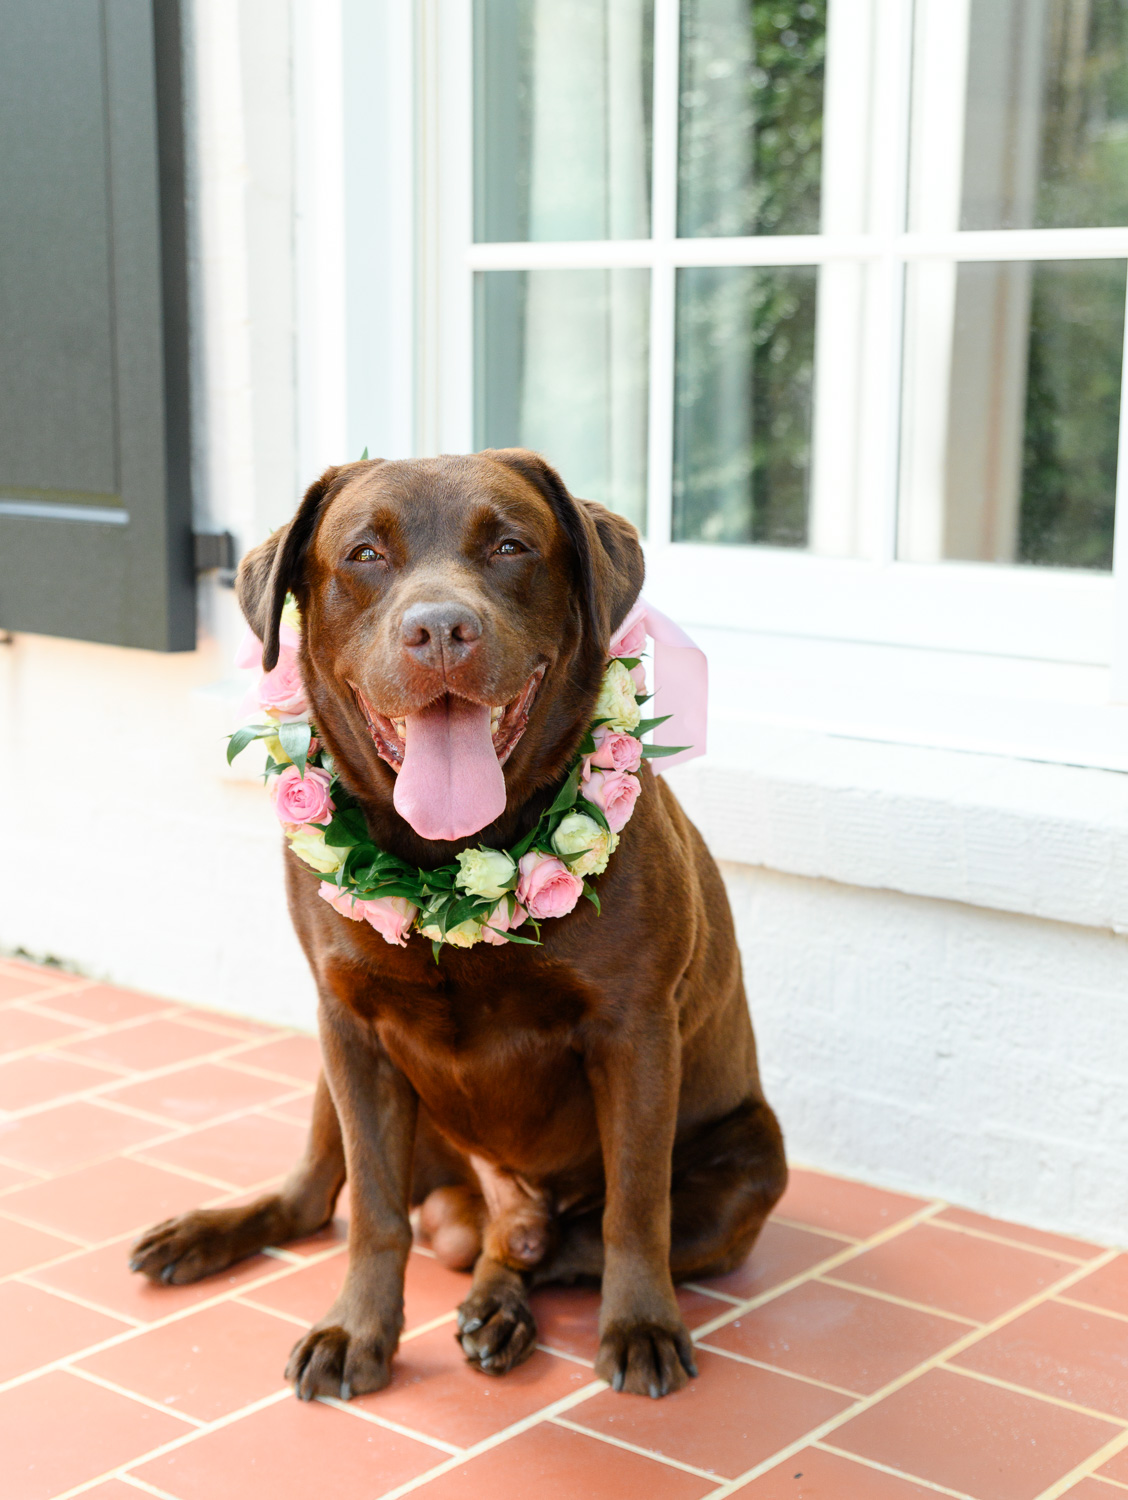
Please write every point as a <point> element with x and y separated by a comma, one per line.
<point>95,500</point>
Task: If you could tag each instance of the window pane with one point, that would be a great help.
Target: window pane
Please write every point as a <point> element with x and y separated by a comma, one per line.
<point>750,137</point>
<point>562,368</point>
<point>562,119</point>
<point>742,404</point>
<point>1046,141</point>
<point>1025,361</point>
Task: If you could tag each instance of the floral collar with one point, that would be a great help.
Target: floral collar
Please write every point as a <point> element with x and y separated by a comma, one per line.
<point>483,894</point>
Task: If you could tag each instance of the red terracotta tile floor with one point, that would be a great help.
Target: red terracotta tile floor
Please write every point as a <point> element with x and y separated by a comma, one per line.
<point>875,1346</point>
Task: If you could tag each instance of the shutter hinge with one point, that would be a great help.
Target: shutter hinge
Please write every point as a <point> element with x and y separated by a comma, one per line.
<point>215,552</point>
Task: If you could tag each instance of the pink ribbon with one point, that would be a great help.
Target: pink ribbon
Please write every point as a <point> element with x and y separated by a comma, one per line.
<point>681,680</point>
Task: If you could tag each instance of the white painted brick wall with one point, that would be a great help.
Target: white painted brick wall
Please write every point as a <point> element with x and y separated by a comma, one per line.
<point>943,1048</point>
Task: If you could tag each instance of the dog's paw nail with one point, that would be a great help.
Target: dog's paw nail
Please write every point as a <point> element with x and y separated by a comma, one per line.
<point>471,1325</point>
<point>346,1391</point>
<point>468,1347</point>
<point>166,1274</point>
<point>135,1263</point>
<point>654,1391</point>
<point>486,1363</point>
<point>617,1383</point>
<point>691,1370</point>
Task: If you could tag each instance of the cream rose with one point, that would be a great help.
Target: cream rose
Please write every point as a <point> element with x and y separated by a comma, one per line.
<point>579,834</point>
<point>485,872</point>
<point>463,935</point>
<point>616,702</point>
<point>307,840</point>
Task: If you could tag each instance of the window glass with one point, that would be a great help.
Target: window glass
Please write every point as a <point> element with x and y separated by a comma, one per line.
<point>563,119</point>
<point>562,368</point>
<point>742,406</point>
<point>1046,139</point>
<point>1012,412</point>
<point>750,117</point>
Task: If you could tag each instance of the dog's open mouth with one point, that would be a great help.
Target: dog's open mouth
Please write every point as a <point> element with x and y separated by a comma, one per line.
<point>507,724</point>
<point>448,757</point>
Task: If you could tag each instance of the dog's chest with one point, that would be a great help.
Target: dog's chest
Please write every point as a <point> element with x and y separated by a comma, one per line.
<point>497,1073</point>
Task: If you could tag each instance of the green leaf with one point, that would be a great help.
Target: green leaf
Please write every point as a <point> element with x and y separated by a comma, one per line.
<point>644,726</point>
<point>568,793</point>
<point>295,738</point>
<point>593,898</point>
<point>364,455</point>
<point>238,742</point>
<point>436,948</point>
<point>512,937</point>
<point>655,752</point>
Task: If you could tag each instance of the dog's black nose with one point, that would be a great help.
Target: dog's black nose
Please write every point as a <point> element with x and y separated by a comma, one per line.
<point>443,634</point>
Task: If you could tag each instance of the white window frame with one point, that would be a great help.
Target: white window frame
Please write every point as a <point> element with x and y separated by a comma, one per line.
<point>1065,631</point>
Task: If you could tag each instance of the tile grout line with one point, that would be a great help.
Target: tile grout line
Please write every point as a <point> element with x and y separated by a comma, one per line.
<point>1001,1239</point>
<point>833,1234</point>
<point>880,1296</point>
<point>452,1450</point>
<point>128,1334</point>
<point>615,1442</point>
<point>1091,1307</point>
<point>496,1439</point>
<point>121,1471</point>
<point>847,1253</point>
<point>832,1423</point>
<point>872,1463</point>
<point>1086,1468</point>
<point>1027,1390</point>
<point>759,1364</point>
<point>120,1390</point>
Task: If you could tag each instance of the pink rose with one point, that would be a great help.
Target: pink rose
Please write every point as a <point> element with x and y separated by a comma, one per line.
<point>547,888</point>
<point>302,800</point>
<point>631,637</point>
<point>283,689</point>
<point>250,649</point>
<point>613,752</point>
<point>500,921</point>
<point>614,792</point>
<point>391,916</point>
<point>341,901</point>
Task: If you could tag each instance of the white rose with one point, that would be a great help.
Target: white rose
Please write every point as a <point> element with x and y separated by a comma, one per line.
<point>308,843</point>
<point>577,833</point>
<point>291,614</point>
<point>485,872</point>
<point>616,702</point>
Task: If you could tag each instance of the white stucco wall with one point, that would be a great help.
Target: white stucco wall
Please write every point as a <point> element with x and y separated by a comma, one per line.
<point>943,1048</point>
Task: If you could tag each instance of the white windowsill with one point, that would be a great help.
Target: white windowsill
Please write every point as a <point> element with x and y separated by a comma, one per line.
<point>1016,835</point>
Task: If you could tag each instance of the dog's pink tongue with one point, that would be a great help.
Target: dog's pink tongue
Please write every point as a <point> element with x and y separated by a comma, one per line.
<point>451,783</point>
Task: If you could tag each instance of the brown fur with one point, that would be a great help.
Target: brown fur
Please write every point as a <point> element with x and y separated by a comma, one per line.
<point>606,1081</point>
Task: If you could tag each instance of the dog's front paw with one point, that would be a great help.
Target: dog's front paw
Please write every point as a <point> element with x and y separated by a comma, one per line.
<point>496,1328</point>
<point>194,1245</point>
<point>647,1359</point>
<point>331,1361</point>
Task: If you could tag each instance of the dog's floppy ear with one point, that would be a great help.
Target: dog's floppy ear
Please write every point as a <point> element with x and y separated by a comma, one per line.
<point>608,556</point>
<point>273,569</point>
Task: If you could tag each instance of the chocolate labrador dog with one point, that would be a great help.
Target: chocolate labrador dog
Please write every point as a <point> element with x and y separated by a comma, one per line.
<point>588,1108</point>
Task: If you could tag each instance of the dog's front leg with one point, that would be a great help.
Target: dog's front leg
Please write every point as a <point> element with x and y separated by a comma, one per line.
<point>350,1350</point>
<point>634,1074</point>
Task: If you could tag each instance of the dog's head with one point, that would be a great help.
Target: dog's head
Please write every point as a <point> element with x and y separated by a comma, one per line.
<point>456,616</point>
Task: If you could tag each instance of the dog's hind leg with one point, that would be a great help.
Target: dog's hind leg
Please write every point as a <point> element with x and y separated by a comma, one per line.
<point>496,1327</point>
<point>206,1240</point>
<point>726,1180</point>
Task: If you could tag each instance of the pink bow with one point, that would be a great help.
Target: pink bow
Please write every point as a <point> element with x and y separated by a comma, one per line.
<point>681,679</point>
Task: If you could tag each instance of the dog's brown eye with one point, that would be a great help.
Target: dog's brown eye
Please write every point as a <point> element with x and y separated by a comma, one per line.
<point>509,548</point>
<point>365,553</point>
